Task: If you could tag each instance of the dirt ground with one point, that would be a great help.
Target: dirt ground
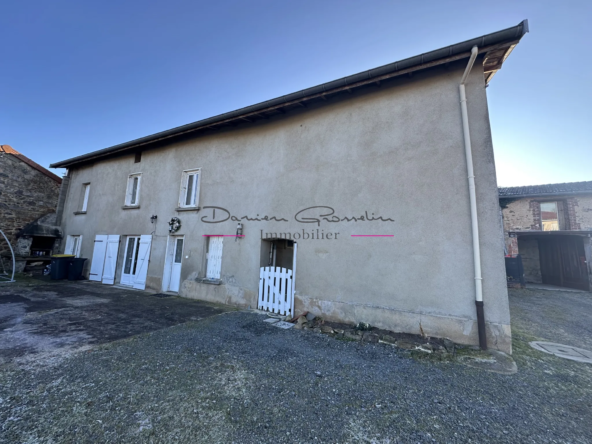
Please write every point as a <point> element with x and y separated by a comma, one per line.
<point>234,378</point>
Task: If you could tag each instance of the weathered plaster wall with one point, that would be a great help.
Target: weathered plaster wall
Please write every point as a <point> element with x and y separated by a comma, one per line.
<point>25,195</point>
<point>529,250</point>
<point>583,211</point>
<point>396,152</point>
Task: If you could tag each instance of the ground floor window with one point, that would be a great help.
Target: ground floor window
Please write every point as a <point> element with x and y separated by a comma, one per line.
<point>73,245</point>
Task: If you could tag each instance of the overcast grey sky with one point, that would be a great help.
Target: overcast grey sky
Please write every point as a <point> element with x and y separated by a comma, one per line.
<point>82,76</point>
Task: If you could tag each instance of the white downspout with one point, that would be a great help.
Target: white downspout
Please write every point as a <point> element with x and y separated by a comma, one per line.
<point>473,200</point>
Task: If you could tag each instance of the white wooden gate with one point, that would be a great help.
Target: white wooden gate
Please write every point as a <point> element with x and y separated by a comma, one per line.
<point>276,290</point>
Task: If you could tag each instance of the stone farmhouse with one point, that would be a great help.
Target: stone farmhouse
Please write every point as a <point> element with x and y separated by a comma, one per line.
<point>28,199</point>
<point>371,198</point>
<point>550,227</point>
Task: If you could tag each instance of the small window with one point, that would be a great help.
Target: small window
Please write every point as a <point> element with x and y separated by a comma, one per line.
<point>138,157</point>
<point>549,216</point>
<point>179,251</point>
<point>132,196</point>
<point>189,196</point>
<point>73,245</point>
<point>84,196</point>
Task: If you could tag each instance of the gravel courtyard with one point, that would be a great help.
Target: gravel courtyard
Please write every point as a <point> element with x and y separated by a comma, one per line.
<point>233,378</point>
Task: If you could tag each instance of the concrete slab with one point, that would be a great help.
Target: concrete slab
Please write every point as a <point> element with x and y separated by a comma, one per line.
<point>563,351</point>
<point>552,288</point>
<point>50,318</point>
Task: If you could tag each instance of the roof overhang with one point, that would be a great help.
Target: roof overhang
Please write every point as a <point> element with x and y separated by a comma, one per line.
<point>494,49</point>
<point>543,195</point>
<point>581,233</point>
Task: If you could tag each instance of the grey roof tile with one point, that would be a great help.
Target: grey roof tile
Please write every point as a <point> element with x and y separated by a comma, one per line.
<point>546,190</point>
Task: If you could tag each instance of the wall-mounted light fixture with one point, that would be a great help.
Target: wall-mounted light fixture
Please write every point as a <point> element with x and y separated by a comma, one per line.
<point>239,231</point>
<point>153,218</point>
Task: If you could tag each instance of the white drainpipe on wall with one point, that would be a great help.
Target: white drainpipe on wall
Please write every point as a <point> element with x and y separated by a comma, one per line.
<point>473,199</point>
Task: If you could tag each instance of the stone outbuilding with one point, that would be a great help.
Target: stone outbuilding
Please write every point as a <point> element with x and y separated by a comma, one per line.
<point>550,227</point>
<point>349,200</point>
<point>28,199</point>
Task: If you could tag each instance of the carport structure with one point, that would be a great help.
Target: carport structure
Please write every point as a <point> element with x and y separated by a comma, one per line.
<point>559,258</point>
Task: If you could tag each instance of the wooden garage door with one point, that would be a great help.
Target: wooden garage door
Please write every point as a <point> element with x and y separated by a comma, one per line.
<point>563,262</point>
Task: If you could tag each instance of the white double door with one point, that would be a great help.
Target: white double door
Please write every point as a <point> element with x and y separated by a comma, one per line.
<point>135,260</point>
<point>172,267</point>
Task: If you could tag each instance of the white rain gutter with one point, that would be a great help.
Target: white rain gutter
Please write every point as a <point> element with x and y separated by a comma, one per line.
<point>473,200</point>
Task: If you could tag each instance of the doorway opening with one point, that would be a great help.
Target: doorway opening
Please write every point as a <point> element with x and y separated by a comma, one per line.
<point>277,253</point>
<point>277,274</point>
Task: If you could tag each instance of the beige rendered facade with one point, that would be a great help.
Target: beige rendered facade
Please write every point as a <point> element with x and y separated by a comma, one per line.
<point>385,159</point>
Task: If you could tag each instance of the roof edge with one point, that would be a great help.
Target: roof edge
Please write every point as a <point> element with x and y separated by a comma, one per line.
<point>496,40</point>
<point>7,149</point>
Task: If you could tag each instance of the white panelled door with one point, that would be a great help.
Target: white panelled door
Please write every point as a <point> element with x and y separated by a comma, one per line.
<point>143,260</point>
<point>176,260</point>
<point>98,259</point>
<point>111,259</point>
<point>214,257</point>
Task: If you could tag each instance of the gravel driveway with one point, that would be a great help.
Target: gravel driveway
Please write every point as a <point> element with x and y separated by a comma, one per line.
<point>234,378</point>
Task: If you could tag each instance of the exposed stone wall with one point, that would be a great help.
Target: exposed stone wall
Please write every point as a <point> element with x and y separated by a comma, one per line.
<point>582,208</point>
<point>26,194</point>
<point>525,215</point>
<point>517,216</point>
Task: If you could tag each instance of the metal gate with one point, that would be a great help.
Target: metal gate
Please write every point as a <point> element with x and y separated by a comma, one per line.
<point>276,290</point>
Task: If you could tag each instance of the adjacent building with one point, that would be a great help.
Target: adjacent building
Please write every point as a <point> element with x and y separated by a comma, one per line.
<point>550,227</point>
<point>349,199</point>
<point>28,198</point>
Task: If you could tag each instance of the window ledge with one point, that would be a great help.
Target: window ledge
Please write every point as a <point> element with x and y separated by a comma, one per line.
<point>209,281</point>
<point>79,212</point>
<point>187,209</point>
<point>130,207</point>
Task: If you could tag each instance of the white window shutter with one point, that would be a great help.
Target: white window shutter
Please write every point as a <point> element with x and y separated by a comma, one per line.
<point>214,258</point>
<point>98,259</point>
<point>143,260</point>
<point>111,259</point>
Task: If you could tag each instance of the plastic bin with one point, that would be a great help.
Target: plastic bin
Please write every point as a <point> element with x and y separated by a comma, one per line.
<point>59,266</point>
<point>75,267</point>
